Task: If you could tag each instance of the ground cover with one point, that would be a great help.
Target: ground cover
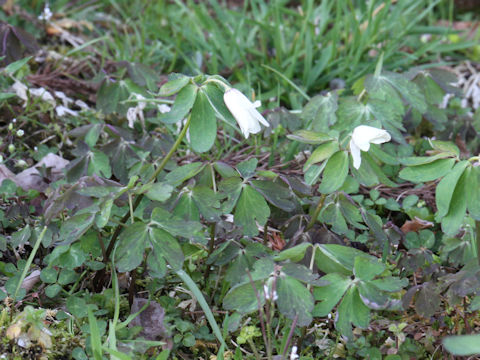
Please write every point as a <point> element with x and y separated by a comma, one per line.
<point>239,180</point>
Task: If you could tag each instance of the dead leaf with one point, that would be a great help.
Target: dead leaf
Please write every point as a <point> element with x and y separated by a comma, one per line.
<point>151,319</point>
<point>5,174</point>
<point>31,178</point>
<point>415,225</point>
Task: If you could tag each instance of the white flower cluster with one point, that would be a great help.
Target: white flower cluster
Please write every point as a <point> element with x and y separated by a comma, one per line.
<point>22,91</point>
<point>46,15</point>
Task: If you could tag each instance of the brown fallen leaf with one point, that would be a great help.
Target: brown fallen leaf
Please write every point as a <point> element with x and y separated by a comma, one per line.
<point>31,178</point>
<point>415,225</point>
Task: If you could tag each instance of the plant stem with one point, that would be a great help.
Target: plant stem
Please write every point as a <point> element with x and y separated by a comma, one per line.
<point>316,212</point>
<point>290,335</point>
<point>152,178</point>
<point>29,261</point>
<point>477,238</point>
<point>254,349</point>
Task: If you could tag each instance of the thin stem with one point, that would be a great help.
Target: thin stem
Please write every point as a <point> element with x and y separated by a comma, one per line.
<point>477,237</point>
<point>254,349</point>
<point>152,178</point>
<point>290,335</point>
<point>260,308</point>
<point>316,212</point>
<point>29,261</point>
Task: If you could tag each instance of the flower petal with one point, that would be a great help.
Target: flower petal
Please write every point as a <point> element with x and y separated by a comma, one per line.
<point>244,112</point>
<point>364,135</point>
<point>356,154</point>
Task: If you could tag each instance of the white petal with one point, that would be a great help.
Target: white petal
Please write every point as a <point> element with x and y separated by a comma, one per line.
<point>62,110</point>
<point>131,116</point>
<point>364,135</point>
<point>21,90</point>
<point>164,108</point>
<point>356,155</point>
<point>43,94</point>
<point>244,112</point>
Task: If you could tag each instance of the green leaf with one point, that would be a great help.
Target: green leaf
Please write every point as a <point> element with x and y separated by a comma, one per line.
<point>13,67</point>
<point>99,164</point>
<point>182,173</point>
<point>173,86</point>
<point>182,105</point>
<point>166,246</point>
<point>351,310</point>
<point>242,298</point>
<point>157,267</point>
<point>408,89</point>
<point>472,189</point>
<point>175,225</point>
<point>335,173</point>
<point>463,345</point>
<point>421,160</point>
<point>320,110</point>
<point>329,295</point>
<point>5,95</point>
<point>159,192</point>
<point>446,147</point>
<point>456,212</point>
<point>203,126</point>
<point>49,275</point>
<point>197,294</point>
<point>331,258</point>
<point>21,237</point>
<point>101,219</point>
<point>351,113</point>
<point>294,300</point>
<point>207,202</point>
<point>247,168</point>
<point>108,97</point>
<point>427,172</point>
<point>215,96</point>
<point>276,194</point>
<point>52,290</point>
<point>75,227</point>
<point>95,337</point>
<point>374,299</point>
<point>446,187</point>
<point>77,306</point>
<point>251,208</point>
<point>294,254</point>
<point>389,284</point>
<point>309,137</point>
<point>322,152</point>
<point>131,245</point>
<point>366,268</point>
<point>424,239</point>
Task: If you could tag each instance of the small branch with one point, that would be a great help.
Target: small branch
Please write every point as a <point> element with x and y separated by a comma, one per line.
<point>312,221</point>
<point>290,335</point>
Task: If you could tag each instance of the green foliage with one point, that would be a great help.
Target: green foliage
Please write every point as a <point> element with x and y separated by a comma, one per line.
<point>216,229</point>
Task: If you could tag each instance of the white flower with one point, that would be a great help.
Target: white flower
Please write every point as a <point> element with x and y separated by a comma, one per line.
<point>43,94</point>
<point>82,105</point>
<point>293,354</point>
<point>65,99</point>
<point>137,111</point>
<point>164,108</point>
<point>362,137</point>
<point>21,90</point>
<point>244,111</point>
<point>46,14</point>
<point>63,110</point>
